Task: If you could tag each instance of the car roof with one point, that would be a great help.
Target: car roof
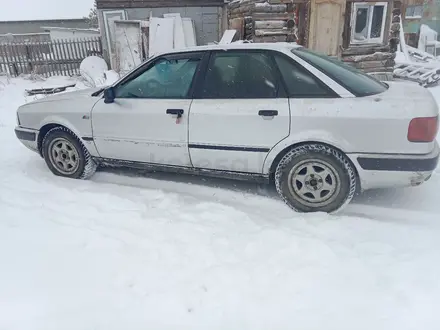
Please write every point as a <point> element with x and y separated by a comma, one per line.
<point>237,45</point>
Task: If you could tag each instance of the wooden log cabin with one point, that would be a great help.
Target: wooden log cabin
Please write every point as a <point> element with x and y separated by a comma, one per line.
<point>364,34</point>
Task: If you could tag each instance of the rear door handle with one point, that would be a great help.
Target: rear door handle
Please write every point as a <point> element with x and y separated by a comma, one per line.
<point>178,112</point>
<point>268,113</point>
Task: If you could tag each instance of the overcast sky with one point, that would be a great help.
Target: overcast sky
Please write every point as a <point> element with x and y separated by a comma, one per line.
<point>13,10</point>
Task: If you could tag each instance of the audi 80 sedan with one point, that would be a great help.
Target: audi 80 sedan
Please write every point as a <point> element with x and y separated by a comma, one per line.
<point>317,128</point>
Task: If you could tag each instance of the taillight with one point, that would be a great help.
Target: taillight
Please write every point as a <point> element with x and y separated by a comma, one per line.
<point>423,129</point>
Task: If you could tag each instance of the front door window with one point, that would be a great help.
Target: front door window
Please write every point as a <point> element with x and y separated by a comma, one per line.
<point>166,78</point>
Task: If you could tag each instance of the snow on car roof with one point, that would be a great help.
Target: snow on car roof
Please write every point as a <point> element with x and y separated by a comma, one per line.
<point>237,45</point>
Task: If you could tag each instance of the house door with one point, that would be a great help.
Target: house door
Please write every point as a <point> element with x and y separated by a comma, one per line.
<point>326,26</point>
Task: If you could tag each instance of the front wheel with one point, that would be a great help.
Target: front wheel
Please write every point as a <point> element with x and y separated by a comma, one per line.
<point>315,178</point>
<point>66,156</point>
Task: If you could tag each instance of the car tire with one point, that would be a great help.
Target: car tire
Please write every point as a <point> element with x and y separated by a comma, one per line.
<point>66,156</point>
<point>315,178</point>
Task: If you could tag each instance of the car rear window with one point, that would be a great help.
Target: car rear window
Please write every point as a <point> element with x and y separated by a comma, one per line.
<point>354,80</point>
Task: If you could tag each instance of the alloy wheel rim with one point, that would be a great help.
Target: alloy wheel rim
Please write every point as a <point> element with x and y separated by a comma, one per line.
<point>64,156</point>
<point>314,183</point>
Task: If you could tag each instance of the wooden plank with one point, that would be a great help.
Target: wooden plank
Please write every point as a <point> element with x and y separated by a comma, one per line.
<point>274,32</point>
<point>346,32</point>
<point>16,59</point>
<point>270,39</point>
<point>76,55</point>
<point>269,25</point>
<point>70,56</point>
<point>379,56</point>
<point>76,50</point>
<point>369,70</point>
<point>13,66</point>
<point>59,56</point>
<point>81,50</point>
<point>189,32</point>
<point>5,53</point>
<point>374,64</point>
<point>260,8</point>
<point>272,17</point>
<point>51,61</point>
<point>65,56</point>
<point>31,54</point>
<point>99,41</point>
<point>2,59</point>
<point>89,46</point>
<point>365,50</point>
<point>94,46</point>
<point>42,53</point>
<point>161,35</point>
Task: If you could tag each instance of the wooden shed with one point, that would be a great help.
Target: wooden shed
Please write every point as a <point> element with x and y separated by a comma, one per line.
<point>362,33</point>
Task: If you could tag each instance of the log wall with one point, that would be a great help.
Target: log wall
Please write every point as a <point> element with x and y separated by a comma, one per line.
<point>265,20</point>
<point>282,21</point>
<point>377,58</point>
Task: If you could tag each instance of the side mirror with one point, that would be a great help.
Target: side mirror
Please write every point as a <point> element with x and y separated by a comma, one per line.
<point>109,95</point>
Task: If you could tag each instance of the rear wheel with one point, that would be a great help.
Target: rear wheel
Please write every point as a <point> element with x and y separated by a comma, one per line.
<point>315,178</point>
<point>66,156</point>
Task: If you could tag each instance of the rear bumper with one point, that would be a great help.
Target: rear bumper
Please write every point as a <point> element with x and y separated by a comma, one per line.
<point>28,137</point>
<point>387,171</point>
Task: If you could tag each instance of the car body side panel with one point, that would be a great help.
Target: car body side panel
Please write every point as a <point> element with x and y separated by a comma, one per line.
<point>141,130</point>
<point>74,114</point>
<point>231,135</point>
<point>373,124</point>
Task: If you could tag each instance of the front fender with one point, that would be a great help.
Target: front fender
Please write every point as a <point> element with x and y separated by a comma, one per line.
<point>81,129</point>
<point>317,136</point>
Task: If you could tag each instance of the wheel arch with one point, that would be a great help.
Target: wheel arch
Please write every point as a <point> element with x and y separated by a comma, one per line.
<point>49,126</point>
<point>284,152</point>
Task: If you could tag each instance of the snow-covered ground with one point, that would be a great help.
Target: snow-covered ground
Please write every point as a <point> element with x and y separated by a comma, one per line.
<point>124,251</point>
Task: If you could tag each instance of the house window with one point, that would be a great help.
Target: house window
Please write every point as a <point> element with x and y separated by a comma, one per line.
<point>368,22</point>
<point>414,11</point>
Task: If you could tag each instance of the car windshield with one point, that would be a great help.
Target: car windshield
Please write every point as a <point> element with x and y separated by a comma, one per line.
<point>357,82</point>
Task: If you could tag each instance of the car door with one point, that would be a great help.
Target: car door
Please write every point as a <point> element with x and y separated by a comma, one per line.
<point>239,112</point>
<point>148,120</point>
<point>312,104</point>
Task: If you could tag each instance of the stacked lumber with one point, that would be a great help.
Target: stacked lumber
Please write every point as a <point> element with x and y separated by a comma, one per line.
<point>370,58</point>
<point>377,60</point>
<point>264,20</point>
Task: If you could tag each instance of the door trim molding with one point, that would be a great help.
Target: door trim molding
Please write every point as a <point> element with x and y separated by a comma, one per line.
<point>227,148</point>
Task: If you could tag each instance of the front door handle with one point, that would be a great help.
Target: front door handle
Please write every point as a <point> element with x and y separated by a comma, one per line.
<point>268,113</point>
<point>178,112</point>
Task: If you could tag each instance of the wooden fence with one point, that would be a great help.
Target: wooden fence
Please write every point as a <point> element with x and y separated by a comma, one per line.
<point>57,57</point>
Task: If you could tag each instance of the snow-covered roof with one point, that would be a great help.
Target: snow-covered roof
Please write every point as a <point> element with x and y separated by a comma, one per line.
<point>68,29</point>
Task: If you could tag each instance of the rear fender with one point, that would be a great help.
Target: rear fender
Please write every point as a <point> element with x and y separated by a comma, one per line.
<point>315,136</point>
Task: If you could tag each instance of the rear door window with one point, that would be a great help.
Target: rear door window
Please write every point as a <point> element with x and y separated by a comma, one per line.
<point>240,74</point>
<point>355,81</point>
<point>299,82</point>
